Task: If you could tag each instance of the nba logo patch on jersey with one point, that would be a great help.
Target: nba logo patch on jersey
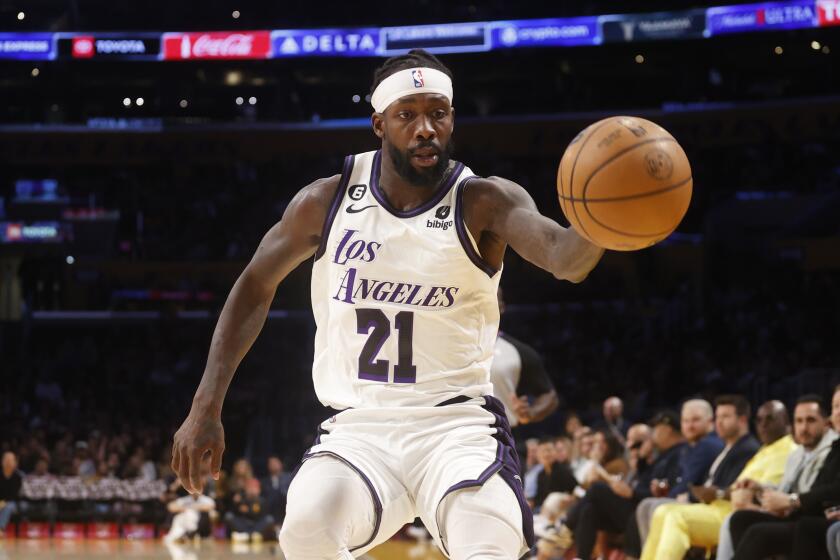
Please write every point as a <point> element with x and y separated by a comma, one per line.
<point>417,75</point>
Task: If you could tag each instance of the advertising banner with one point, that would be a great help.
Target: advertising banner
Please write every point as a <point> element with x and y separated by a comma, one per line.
<point>325,42</point>
<point>688,24</point>
<point>564,32</point>
<point>828,12</point>
<point>27,46</point>
<point>768,16</point>
<point>143,46</point>
<point>443,38</point>
<point>219,45</point>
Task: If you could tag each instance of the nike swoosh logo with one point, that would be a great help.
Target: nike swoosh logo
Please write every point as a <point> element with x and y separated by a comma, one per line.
<point>351,210</point>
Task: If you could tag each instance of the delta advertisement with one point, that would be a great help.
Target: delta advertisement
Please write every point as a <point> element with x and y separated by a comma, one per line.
<point>326,42</point>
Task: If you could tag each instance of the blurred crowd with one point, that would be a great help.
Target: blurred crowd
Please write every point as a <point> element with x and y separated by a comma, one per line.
<point>692,483</point>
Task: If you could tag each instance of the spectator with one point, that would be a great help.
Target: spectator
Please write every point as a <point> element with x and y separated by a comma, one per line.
<point>613,421</point>
<point>249,518</point>
<point>189,511</point>
<point>555,476</point>
<point>532,468</point>
<point>563,446</point>
<point>677,527</point>
<point>790,522</point>
<point>275,487</point>
<point>11,481</point>
<point>572,424</point>
<point>581,450</point>
<point>696,421</point>
<point>608,458</point>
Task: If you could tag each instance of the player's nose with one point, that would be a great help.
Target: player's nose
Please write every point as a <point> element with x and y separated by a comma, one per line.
<point>425,130</point>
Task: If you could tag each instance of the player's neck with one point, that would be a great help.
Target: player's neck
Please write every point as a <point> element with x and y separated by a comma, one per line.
<point>402,194</point>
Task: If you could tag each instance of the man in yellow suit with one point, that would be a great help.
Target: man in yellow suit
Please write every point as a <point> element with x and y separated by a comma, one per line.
<point>677,527</point>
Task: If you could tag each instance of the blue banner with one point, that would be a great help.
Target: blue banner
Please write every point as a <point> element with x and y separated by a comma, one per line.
<point>27,46</point>
<point>443,38</point>
<point>325,42</point>
<point>554,32</point>
<point>795,14</point>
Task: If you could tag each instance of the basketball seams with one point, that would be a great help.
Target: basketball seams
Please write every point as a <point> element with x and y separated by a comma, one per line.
<point>632,196</point>
<point>604,123</point>
<point>601,167</point>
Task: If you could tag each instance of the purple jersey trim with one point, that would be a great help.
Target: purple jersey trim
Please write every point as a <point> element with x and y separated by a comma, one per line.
<point>346,171</point>
<point>377,503</point>
<point>506,464</point>
<point>461,228</point>
<point>382,200</point>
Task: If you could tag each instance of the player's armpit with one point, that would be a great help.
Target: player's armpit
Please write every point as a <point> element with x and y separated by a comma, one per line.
<point>506,210</point>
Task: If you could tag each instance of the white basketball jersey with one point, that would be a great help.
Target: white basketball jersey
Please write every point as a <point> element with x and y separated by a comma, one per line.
<point>406,309</point>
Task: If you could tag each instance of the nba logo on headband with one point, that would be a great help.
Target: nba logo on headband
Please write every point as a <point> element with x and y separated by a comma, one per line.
<point>417,75</point>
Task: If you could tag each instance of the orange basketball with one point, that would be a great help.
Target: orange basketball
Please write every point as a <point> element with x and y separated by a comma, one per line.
<point>624,183</point>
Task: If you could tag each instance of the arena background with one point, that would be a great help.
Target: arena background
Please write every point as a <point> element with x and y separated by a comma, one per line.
<point>138,171</point>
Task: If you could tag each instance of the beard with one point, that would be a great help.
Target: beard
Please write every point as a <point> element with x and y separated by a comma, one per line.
<point>426,177</point>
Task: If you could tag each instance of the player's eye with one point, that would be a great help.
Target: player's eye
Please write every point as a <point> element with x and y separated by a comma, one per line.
<point>439,114</point>
<point>404,115</point>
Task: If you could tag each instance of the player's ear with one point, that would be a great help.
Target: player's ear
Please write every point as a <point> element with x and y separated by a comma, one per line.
<point>378,124</point>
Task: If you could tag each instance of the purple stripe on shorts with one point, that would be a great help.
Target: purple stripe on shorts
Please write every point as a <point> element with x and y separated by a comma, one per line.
<point>506,464</point>
<point>377,503</point>
<point>438,196</point>
<point>346,171</point>
<point>461,228</point>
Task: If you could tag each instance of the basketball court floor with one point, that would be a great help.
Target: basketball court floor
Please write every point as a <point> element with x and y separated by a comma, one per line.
<point>20,549</point>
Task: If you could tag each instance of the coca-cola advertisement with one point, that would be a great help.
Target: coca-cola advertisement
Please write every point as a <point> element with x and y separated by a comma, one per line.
<point>217,45</point>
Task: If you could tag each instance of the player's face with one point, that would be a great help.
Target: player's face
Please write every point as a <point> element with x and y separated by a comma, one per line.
<point>416,133</point>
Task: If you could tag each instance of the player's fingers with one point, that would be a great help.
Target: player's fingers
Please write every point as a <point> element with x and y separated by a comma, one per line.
<point>184,470</point>
<point>194,471</point>
<point>216,461</point>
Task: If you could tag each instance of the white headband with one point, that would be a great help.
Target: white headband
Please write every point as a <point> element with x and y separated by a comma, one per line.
<point>409,82</point>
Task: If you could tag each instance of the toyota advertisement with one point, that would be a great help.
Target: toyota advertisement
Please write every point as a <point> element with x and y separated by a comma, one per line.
<point>109,46</point>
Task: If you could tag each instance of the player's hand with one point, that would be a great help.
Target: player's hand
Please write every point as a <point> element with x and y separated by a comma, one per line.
<point>522,410</point>
<point>197,449</point>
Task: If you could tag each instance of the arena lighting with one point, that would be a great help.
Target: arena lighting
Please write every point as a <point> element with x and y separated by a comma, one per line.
<point>778,50</point>
<point>70,259</point>
<point>140,101</point>
<point>233,78</point>
<point>240,100</point>
<point>252,100</point>
<point>640,59</point>
<point>127,102</point>
<point>815,45</point>
<point>35,72</point>
<point>21,15</point>
<point>184,104</point>
<point>825,49</point>
<point>367,98</point>
<point>235,14</point>
<point>356,99</point>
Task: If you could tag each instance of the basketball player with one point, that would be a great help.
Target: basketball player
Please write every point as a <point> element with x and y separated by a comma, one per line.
<point>518,373</point>
<point>408,249</point>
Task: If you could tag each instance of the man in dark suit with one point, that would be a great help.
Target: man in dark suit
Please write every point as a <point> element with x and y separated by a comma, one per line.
<point>610,505</point>
<point>789,523</point>
<point>275,486</point>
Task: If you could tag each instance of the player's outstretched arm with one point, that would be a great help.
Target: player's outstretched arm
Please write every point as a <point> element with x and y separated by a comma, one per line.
<point>291,241</point>
<point>503,209</point>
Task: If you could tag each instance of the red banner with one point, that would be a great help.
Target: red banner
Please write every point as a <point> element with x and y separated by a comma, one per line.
<point>829,12</point>
<point>217,45</point>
